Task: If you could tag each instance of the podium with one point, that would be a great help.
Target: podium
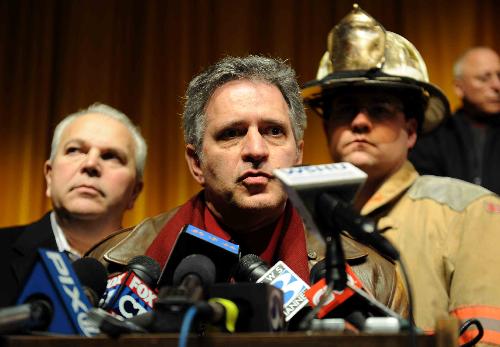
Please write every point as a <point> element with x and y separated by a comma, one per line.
<point>441,338</point>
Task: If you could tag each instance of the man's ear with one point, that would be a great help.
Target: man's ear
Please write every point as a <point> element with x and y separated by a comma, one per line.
<point>194,164</point>
<point>411,130</point>
<point>135,193</point>
<point>47,171</point>
<point>458,87</point>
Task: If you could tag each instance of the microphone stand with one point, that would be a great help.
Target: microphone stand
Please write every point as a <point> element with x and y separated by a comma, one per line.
<point>335,273</point>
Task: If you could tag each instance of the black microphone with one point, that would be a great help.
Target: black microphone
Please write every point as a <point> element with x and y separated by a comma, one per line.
<point>133,291</point>
<point>193,275</point>
<point>52,300</point>
<point>250,268</point>
<point>93,277</point>
<point>192,240</point>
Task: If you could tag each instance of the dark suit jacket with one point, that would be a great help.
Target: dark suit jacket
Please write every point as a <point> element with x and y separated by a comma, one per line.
<point>18,254</point>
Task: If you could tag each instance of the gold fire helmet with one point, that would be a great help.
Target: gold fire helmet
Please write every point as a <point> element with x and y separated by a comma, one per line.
<point>362,54</point>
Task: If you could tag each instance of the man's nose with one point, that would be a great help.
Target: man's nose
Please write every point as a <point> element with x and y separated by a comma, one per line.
<point>255,148</point>
<point>92,163</point>
<point>361,123</point>
<point>495,82</point>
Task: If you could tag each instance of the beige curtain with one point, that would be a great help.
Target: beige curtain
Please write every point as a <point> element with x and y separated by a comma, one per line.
<point>57,56</point>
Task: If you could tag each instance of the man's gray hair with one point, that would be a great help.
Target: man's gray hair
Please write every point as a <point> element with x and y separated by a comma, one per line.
<point>459,63</point>
<point>140,149</point>
<point>256,68</point>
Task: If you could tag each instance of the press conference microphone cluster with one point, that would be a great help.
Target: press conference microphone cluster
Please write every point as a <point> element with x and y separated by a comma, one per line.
<point>196,275</point>
<point>56,297</point>
<point>190,281</point>
<point>189,269</point>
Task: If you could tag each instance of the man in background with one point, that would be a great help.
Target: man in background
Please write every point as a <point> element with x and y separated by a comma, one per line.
<point>374,96</point>
<point>94,174</point>
<point>467,145</point>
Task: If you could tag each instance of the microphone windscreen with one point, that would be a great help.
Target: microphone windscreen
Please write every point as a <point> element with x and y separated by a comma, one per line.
<point>250,268</point>
<point>146,268</point>
<point>91,274</point>
<point>197,264</point>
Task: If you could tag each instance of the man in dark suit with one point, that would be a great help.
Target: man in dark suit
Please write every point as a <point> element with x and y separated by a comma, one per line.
<point>467,145</point>
<point>94,174</point>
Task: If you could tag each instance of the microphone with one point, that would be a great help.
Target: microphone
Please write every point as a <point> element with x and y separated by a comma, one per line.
<point>132,292</point>
<point>253,269</point>
<point>93,277</point>
<point>190,280</point>
<point>260,305</point>
<point>192,240</point>
<point>352,304</point>
<point>322,193</point>
<point>319,288</point>
<point>52,300</point>
<point>193,275</point>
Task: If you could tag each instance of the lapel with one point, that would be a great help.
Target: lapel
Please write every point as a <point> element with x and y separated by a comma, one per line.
<point>24,250</point>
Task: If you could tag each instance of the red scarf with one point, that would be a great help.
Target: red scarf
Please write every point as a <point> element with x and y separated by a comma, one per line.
<point>286,242</point>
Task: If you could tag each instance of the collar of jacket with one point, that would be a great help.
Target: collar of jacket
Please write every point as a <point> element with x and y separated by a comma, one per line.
<point>121,246</point>
<point>392,188</point>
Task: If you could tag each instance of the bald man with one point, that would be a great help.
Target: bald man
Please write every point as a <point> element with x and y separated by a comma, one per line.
<point>467,145</point>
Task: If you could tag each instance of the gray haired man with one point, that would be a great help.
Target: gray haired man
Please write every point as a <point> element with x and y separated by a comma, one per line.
<point>243,118</point>
<point>94,174</point>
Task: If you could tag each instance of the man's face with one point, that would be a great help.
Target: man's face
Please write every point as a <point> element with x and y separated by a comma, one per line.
<point>370,131</point>
<point>248,134</point>
<point>93,174</point>
<point>479,84</point>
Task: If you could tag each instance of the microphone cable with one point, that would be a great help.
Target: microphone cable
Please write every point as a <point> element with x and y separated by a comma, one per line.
<point>186,325</point>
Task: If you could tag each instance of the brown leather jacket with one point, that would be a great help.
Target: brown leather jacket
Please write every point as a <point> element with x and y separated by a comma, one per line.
<point>378,275</point>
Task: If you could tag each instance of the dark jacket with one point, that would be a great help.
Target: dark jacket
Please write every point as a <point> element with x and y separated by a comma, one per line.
<point>450,151</point>
<point>377,274</point>
<point>18,254</point>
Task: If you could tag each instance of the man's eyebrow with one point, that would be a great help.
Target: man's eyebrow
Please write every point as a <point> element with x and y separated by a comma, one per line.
<point>273,121</point>
<point>74,141</point>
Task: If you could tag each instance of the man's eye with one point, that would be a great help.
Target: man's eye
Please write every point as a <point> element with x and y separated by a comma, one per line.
<point>275,131</point>
<point>344,112</point>
<point>111,156</point>
<point>229,134</point>
<point>378,110</point>
<point>484,78</point>
<point>72,150</point>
